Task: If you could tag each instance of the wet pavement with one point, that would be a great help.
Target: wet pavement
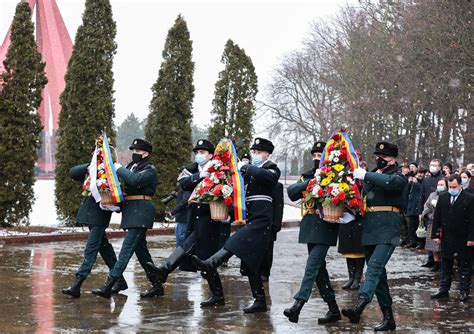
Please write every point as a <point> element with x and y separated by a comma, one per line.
<point>32,278</point>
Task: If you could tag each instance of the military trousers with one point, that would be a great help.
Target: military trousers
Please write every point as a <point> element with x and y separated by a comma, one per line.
<point>134,242</point>
<point>316,271</point>
<point>97,242</point>
<point>375,281</point>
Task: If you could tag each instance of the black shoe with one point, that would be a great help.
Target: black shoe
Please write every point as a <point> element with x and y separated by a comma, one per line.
<point>214,300</point>
<point>428,264</point>
<point>464,297</point>
<point>75,289</point>
<point>359,270</point>
<point>170,264</point>
<point>440,294</point>
<point>332,315</point>
<point>436,267</point>
<point>351,271</point>
<point>213,262</point>
<point>354,313</point>
<point>120,285</point>
<point>388,322</point>
<point>155,291</point>
<point>106,290</point>
<point>293,313</point>
<point>420,246</point>
<point>259,305</point>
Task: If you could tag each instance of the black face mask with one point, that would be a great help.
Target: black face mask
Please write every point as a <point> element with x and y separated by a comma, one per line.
<point>381,163</point>
<point>136,158</point>
<point>316,163</point>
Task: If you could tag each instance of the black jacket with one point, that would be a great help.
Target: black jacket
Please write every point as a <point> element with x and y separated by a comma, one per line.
<point>454,224</point>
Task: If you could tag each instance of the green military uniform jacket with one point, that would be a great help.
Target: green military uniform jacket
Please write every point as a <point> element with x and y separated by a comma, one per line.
<point>313,230</point>
<point>89,212</point>
<point>141,181</point>
<point>383,189</point>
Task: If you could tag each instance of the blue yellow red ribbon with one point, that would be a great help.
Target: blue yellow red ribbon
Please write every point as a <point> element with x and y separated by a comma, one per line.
<point>238,186</point>
<point>112,178</point>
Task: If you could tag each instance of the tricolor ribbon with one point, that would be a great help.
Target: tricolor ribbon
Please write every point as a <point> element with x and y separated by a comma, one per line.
<point>238,192</point>
<point>112,178</point>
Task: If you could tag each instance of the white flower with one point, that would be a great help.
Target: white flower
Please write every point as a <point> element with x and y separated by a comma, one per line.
<point>227,190</point>
<point>341,173</point>
<point>335,159</point>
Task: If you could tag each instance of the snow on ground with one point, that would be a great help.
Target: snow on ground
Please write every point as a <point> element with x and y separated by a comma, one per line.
<point>44,210</point>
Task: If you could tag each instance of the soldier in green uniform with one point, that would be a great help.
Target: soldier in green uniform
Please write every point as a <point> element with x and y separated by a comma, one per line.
<point>97,220</point>
<point>138,213</point>
<point>319,235</point>
<point>384,192</point>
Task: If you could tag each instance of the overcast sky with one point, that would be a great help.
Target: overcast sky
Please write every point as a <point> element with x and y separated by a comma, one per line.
<point>266,29</point>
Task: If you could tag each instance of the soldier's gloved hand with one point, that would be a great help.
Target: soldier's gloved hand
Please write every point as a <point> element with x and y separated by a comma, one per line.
<point>359,173</point>
<point>117,165</point>
<point>240,164</point>
<point>203,174</point>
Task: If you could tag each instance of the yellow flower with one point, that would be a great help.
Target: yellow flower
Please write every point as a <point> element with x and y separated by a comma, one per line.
<point>343,186</point>
<point>338,167</point>
<point>325,181</point>
<point>103,176</point>
<point>331,175</point>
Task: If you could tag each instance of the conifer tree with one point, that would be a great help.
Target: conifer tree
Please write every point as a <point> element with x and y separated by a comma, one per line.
<point>87,103</point>
<point>20,126</point>
<point>234,99</point>
<point>130,129</point>
<point>168,126</point>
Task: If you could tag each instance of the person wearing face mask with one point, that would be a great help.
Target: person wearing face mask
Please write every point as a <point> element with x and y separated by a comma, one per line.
<point>413,209</point>
<point>453,229</point>
<point>447,169</point>
<point>203,235</point>
<point>427,187</point>
<point>318,235</point>
<point>250,242</point>
<point>428,215</point>
<point>384,193</point>
<point>466,181</point>
<point>138,214</point>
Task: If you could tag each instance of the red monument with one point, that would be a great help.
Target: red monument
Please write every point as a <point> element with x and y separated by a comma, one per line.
<point>55,45</point>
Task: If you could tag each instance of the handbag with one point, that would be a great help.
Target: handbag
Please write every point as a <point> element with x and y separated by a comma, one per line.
<point>421,230</point>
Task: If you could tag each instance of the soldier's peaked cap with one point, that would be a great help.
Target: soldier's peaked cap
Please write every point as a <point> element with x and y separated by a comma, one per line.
<point>204,144</point>
<point>141,144</point>
<point>386,148</point>
<point>262,144</point>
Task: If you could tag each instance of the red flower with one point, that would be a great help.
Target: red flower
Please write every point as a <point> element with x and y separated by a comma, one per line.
<point>341,195</point>
<point>320,193</point>
<point>228,200</point>
<point>224,168</point>
<point>216,157</point>
<point>335,200</point>
<point>336,136</point>
<point>217,190</point>
<point>103,185</point>
<point>211,169</point>
<point>353,203</point>
<point>219,175</point>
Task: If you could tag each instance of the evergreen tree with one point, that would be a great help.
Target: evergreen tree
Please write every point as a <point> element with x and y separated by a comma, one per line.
<point>87,103</point>
<point>168,126</point>
<point>130,129</point>
<point>20,125</point>
<point>234,99</point>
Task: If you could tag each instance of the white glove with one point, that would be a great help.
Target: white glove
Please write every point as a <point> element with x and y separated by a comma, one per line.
<point>240,164</point>
<point>359,173</point>
<point>113,208</point>
<point>117,165</point>
<point>203,174</point>
<point>346,218</point>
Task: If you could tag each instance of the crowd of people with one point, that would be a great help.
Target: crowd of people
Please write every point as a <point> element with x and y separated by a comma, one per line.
<point>403,204</point>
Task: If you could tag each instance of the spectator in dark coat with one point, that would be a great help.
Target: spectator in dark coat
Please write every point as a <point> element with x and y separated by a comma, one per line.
<point>414,209</point>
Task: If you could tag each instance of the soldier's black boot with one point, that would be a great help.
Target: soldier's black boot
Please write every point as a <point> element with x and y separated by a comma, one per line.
<point>106,290</point>
<point>170,264</point>
<point>354,313</point>
<point>359,270</point>
<point>388,322</point>
<point>258,292</point>
<point>332,315</point>
<point>351,270</point>
<point>215,285</point>
<point>120,285</point>
<point>213,262</point>
<point>156,289</point>
<point>293,313</point>
<point>75,289</point>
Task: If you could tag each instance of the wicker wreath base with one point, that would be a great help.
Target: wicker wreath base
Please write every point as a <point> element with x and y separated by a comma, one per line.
<point>106,198</point>
<point>332,212</point>
<point>219,210</point>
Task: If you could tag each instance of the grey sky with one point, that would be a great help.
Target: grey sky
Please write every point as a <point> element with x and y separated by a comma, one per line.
<point>265,29</point>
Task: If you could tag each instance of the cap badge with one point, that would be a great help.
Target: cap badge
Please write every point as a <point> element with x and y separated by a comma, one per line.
<point>200,142</point>
<point>381,146</point>
<point>318,145</point>
<point>257,141</point>
<point>135,142</point>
